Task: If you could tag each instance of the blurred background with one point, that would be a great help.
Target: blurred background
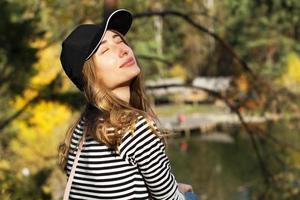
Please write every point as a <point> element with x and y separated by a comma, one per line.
<point>222,75</point>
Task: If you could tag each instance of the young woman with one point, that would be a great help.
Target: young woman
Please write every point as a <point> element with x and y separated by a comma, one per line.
<point>123,154</point>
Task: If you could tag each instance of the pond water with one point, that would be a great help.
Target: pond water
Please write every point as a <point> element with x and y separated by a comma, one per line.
<point>220,170</point>
<point>216,170</point>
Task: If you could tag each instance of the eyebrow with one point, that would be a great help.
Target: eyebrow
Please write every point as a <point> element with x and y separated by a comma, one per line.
<point>114,36</point>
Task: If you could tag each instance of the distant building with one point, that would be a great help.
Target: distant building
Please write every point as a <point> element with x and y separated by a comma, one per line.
<point>173,90</point>
<point>217,84</point>
<point>165,86</point>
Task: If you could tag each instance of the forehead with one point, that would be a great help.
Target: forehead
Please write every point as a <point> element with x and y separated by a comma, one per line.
<point>109,34</point>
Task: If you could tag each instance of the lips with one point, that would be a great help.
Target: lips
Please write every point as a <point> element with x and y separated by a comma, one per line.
<point>130,61</point>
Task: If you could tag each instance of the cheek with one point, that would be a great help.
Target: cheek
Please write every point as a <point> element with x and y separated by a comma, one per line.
<point>106,70</point>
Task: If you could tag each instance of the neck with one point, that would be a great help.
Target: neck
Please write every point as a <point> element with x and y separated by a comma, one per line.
<point>122,92</point>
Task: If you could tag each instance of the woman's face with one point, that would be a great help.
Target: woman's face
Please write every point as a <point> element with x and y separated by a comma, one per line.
<point>109,61</point>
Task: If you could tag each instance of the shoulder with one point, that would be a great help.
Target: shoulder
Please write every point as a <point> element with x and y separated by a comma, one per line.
<point>145,129</point>
<point>81,123</point>
<point>140,121</point>
<point>143,126</point>
<point>144,134</point>
<point>79,128</point>
<point>143,122</point>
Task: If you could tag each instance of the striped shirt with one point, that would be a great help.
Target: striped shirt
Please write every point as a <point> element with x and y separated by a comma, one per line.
<point>139,171</point>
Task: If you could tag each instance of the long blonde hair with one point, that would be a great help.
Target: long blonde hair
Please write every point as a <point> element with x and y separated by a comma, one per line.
<point>104,110</point>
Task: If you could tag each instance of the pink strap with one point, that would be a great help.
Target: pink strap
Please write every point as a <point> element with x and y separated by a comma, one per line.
<point>70,179</point>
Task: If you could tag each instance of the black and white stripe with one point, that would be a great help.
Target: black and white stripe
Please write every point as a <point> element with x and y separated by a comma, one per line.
<point>141,167</point>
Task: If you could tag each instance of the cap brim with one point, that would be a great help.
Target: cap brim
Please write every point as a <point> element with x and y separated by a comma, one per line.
<point>119,20</point>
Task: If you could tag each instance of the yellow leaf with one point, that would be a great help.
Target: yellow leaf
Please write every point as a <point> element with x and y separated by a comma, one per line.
<point>178,71</point>
<point>4,165</point>
<point>48,65</point>
<point>38,136</point>
<point>292,75</point>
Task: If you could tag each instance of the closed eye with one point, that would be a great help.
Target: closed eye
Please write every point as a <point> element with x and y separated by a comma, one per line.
<point>104,51</point>
<point>120,40</point>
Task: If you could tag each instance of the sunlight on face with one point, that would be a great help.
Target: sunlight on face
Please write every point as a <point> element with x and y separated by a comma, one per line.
<point>109,59</point>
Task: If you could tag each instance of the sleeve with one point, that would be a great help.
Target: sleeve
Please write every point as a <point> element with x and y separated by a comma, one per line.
<point>147,151</point>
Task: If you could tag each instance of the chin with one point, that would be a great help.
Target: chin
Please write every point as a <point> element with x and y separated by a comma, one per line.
<point>130,78</point>
<point>134,71</point>
<point>138,70</point>
<point>135,75</point>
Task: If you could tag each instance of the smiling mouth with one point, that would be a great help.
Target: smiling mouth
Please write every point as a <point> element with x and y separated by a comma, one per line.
<point>128,63</point>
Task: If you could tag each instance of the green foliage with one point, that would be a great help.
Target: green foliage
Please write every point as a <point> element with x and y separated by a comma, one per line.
<point>264,33</point>
<point>16,53</point>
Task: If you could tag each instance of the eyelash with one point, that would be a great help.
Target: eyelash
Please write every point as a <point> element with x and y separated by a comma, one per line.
<point>121,40</point>
<point>104,51</point>
<point>117,42</point>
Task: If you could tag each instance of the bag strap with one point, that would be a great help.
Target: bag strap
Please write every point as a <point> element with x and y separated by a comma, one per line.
<point>70,179</point>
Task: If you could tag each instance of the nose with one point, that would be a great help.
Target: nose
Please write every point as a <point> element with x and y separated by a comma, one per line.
<point>123,51</point>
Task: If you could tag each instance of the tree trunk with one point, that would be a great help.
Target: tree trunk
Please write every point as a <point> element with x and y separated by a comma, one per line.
<point>109,6</point>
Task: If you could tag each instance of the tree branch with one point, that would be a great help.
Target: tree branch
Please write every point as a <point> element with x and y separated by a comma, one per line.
<point>148,57</point>
<point>201,28</point>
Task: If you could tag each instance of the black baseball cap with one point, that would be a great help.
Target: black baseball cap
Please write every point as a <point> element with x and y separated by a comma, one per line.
<point>85,39</point>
